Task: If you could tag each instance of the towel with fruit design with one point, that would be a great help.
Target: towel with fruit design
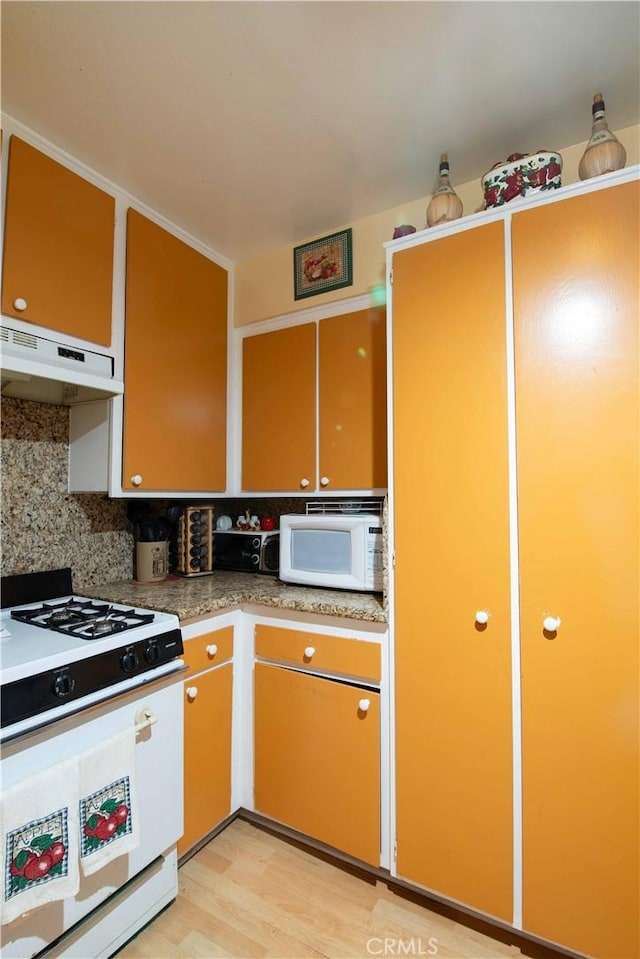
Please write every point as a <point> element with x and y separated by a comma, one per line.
<point>39,829</point>
<point>77,815</point>
<point>107,808</point>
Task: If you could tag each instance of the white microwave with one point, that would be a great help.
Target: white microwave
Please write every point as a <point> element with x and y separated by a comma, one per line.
<point>338,550</point>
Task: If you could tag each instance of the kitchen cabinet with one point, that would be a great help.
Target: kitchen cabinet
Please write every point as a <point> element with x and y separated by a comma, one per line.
<point>278,409</point>
<point>516,429</point>
<point>317,758</point>
<point>285,406</point>
<point>577,403</point>
<point>58,247</point>
<point>207,734</point>
<point>301,649</point>
<point>453,680</point>
<point>317,752</point>
<point>352,398</point>
<point>174,434</point>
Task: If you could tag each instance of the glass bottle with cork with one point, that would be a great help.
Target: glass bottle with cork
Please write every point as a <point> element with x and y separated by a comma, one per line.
<point>604,152</point>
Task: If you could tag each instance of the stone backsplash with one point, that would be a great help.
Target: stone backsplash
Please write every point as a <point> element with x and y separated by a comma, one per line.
<point>43,525</point>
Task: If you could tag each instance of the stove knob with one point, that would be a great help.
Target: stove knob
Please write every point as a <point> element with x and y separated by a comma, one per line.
<point>63,684</point>
<point>152,653</point>
<point>129,661</point>
<point>255,559</point>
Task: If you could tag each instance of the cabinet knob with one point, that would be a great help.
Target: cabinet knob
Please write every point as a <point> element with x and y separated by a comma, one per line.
<point>309,652</point>
<point>212,649</point>
<point>363,705</point>
<point>304,482</point>
<point>551,623</point>
<point>192,692</point>
<point>482,617</point>
<point>324,481</point>
<point>19,304</point>
<point>136,479</point>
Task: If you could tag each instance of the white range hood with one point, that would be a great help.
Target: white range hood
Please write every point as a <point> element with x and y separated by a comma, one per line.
<point>37,368</point>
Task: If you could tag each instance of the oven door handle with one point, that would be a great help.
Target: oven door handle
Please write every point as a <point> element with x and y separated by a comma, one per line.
<point>145,718</point>
<point>141,690</point>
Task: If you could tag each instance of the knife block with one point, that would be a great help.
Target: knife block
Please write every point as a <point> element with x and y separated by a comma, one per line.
<point>195,541</point>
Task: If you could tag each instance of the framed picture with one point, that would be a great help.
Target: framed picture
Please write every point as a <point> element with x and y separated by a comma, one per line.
<point>323,265</point>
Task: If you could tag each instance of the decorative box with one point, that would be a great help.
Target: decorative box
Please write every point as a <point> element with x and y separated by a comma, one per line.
<point>520,176</point>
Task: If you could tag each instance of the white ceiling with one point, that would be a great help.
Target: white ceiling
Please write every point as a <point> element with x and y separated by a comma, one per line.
<point>259,124</point>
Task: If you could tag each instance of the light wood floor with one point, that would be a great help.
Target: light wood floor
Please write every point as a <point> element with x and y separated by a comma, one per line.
<point>249,893</point>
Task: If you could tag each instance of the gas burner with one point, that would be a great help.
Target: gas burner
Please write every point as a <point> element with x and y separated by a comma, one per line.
<point>70,613</point>
<point>105,626</point>
<point>102,627</point>
<point>109,622</point>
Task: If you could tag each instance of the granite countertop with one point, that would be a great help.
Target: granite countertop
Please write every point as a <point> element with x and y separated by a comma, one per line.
<point>198,596</point>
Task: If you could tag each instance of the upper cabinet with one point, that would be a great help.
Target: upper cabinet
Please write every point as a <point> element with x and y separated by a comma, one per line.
<point>174,435</point>
<point>58,247</point>
<point>288,408</point>
<point>352,398</point>
<point>278,409</point>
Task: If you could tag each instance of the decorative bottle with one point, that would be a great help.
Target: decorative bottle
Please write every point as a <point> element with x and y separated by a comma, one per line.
<point>604,152</point>
<point>445,204</point>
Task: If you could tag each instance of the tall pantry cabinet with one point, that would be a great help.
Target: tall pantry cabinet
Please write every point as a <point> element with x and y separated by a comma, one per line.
<point>516,444</point>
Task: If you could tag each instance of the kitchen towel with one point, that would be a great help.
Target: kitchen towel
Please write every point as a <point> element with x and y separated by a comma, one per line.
<point>39,831</point>
<point>108,813</point>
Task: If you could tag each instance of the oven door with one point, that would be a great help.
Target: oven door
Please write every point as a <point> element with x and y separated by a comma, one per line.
<point>158,772</point>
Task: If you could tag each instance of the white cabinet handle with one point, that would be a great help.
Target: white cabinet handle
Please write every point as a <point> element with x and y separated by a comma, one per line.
<point>309,652</point>
<point>192,692</point>
<point>212,649</point>
<point>482,617</point>
<point>304,482</point>
<point>19,304</point>
<point>551,623</point>
<point>136,479</point>
<point>324,481</point>
<point>363,705</point>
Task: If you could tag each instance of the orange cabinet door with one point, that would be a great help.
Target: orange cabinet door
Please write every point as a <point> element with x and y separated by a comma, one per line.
<point>279,409</point>
<point>175,364</point>
<point>576,310</point>
<point>353,400</point>
<point>207,753</point>
<point>317,759</point>
<point>453,679</point>
<point>208,649</point>
<point>313,651</point>
<point>58,247</point>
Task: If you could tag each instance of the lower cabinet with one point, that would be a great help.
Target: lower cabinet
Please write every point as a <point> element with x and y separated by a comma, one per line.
<point>317,758</point>
<point>207,735</point>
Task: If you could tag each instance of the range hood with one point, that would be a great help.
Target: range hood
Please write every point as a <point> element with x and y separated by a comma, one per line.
<point>36,368</point>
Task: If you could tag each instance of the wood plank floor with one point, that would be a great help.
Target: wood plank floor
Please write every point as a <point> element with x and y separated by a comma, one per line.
<point>250,893</point>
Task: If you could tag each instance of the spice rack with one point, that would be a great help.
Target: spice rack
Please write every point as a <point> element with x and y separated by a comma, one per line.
<point>195,541</point>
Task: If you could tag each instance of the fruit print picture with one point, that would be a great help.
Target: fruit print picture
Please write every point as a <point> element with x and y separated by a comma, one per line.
<point>105,816</point>
<point>322,265</point>
<point>36,853</point>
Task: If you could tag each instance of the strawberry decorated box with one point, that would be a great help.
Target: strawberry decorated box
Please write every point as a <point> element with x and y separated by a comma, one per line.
<point>521,176</point>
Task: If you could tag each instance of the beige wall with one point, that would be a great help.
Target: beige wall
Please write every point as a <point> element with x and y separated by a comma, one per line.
<point>264,284</point>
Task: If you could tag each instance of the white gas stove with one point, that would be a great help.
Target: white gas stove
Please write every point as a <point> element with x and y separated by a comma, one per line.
<point>65,654</point>
<point>75,673</point>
